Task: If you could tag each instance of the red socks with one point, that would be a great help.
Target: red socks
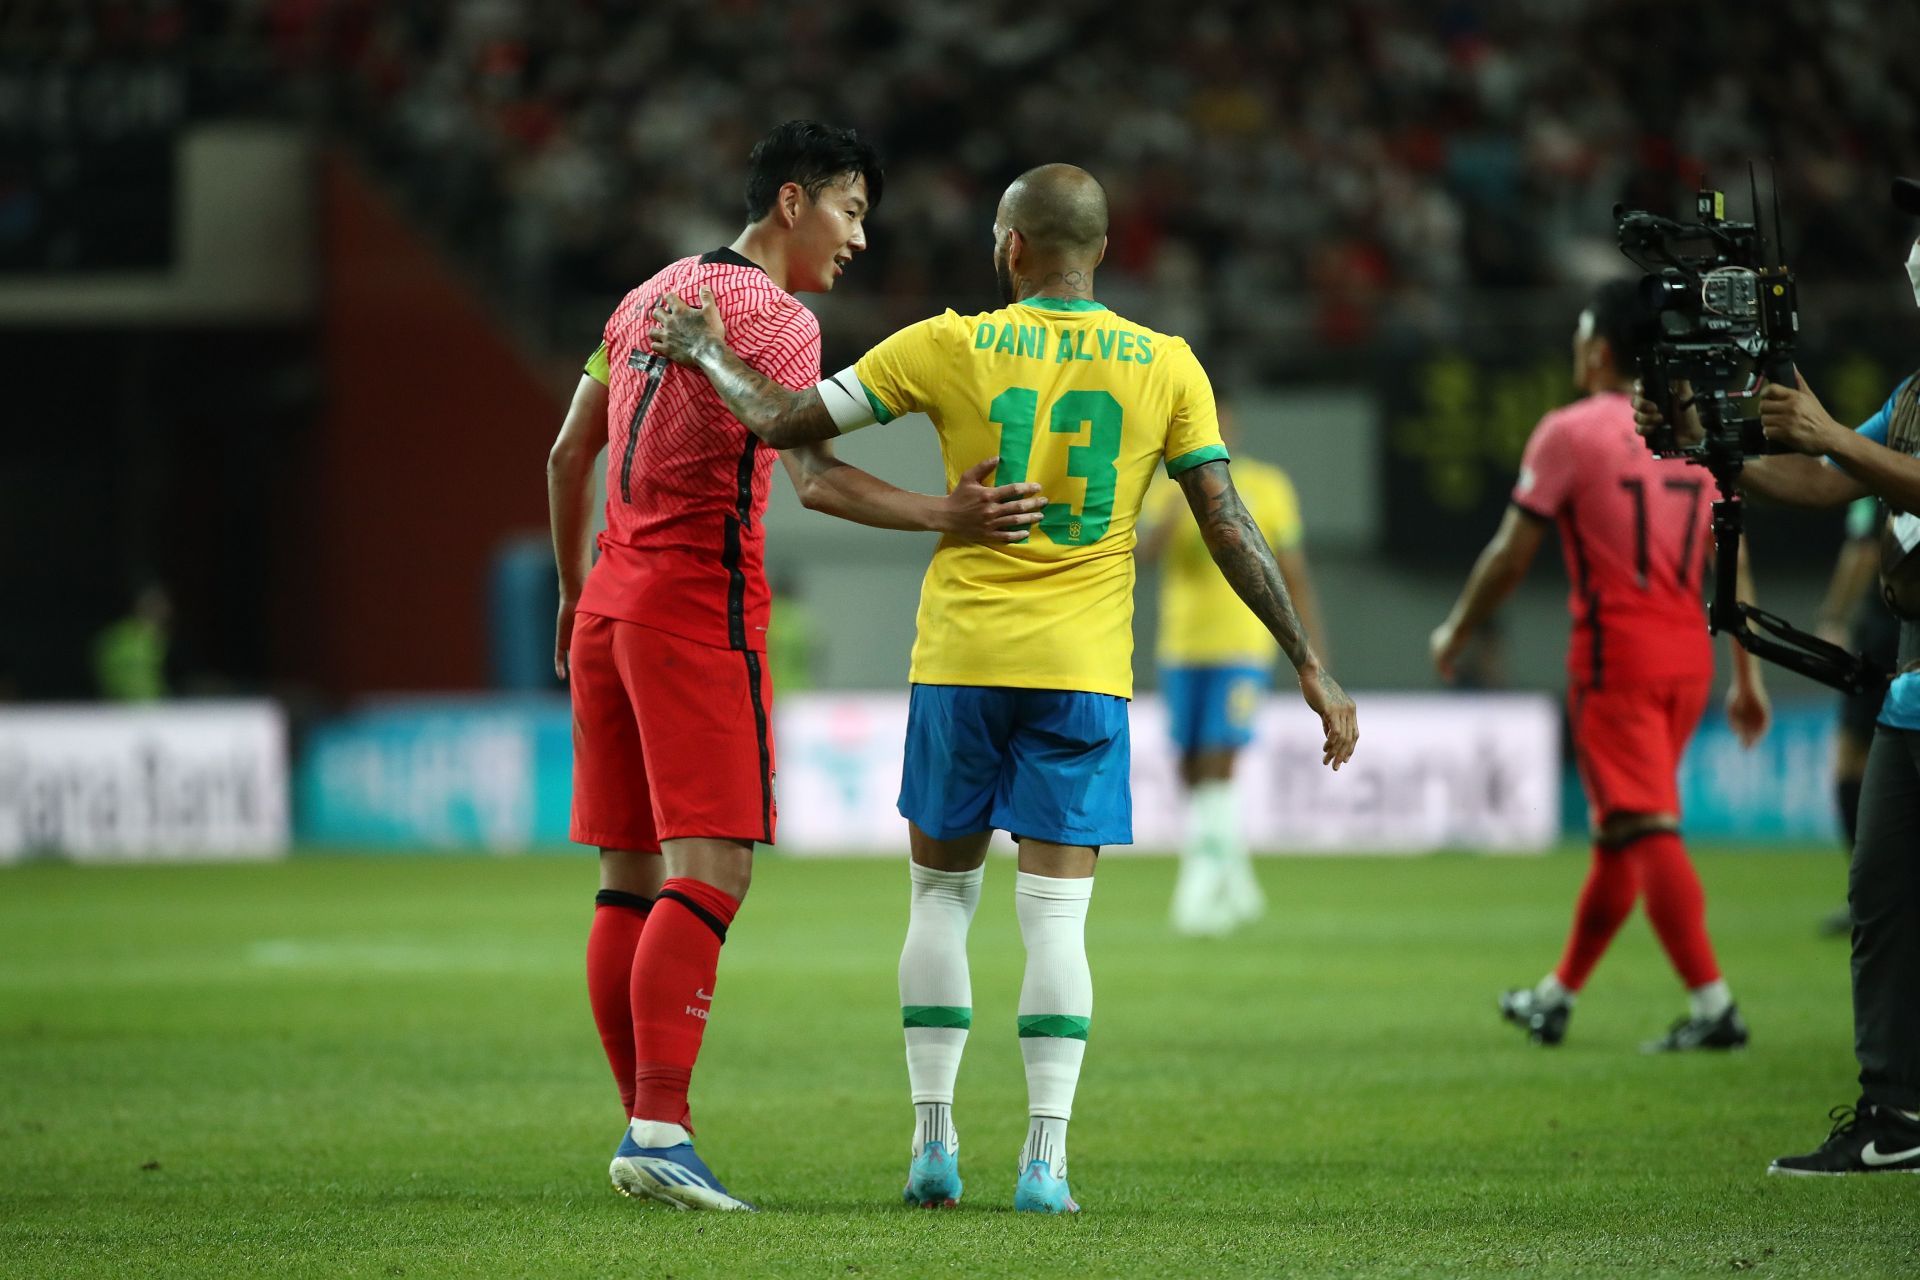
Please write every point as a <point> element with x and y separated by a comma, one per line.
<point>1676,905</point>
<point>1605,902</point>
<point>679,954</point>
<point>1656,862</point>
<point>618,919</point>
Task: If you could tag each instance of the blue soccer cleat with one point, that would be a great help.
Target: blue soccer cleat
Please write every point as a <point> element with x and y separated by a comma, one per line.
<point>933,1180</point>
<point>672,1175</point>
<point>1040,1190</point>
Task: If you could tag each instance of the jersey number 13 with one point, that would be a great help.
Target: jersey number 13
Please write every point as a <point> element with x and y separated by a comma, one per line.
<point>1017,409</point>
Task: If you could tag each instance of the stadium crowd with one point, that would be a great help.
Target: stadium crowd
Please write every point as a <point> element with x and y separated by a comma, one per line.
<point>1278,171</point>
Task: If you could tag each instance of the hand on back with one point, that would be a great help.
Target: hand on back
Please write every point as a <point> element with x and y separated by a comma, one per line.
<point>680,332</point>
<point>977,511</point>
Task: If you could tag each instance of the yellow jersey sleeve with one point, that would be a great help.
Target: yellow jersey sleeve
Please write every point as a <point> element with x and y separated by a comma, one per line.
<point>1283,527</point>
<point>1193,437</point>
<point>596,367</point>
<point>907,371</point>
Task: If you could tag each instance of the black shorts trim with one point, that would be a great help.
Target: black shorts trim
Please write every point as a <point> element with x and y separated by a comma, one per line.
<point>754,692</point>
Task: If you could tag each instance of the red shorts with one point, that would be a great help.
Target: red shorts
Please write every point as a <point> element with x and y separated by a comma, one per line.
<point>1628,740</point>
<point>671,738</point>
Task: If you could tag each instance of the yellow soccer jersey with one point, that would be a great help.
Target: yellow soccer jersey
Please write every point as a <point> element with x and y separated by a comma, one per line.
<point>1202,622</point>
<point>1082,402</point>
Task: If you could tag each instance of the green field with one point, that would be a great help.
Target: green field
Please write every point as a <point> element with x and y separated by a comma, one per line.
<point>359,1067</point>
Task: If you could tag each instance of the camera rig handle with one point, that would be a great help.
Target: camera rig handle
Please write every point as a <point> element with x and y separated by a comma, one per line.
<point>1777,640</point>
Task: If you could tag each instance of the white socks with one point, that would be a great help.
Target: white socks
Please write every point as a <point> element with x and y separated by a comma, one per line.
<point>1217,889</point>
<point>1710,1000</point>
<point>1056,1002</point>
<point>1704,1002</point>
<point>936,995</point>
<point>1550,990</point>
<point>1056,1006</point>
<point>1213,821</point>
<point>657,1133</point>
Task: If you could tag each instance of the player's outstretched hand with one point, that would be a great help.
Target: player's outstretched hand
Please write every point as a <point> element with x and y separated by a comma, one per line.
<point>1749,712</point>
<point>980,512</point>
<point>1793,416</point>
<point>1444,644</point>
<point>563,639</point>
<point>1337,716</point>
<point>681,332</point>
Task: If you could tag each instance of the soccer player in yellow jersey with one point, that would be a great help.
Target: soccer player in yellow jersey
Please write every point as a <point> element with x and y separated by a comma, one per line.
<point>1216,663</point>
<point>1023,664</point>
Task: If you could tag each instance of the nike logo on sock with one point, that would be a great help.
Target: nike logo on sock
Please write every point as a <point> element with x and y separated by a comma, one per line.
<point>704,995</point>
<point>1872,1155</point>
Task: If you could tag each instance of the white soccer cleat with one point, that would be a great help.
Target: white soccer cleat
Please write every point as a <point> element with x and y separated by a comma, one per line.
<point>1245,899</point>
<point>1201,908</point>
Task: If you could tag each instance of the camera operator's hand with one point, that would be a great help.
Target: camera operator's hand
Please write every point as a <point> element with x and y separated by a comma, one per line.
<point>1749,711</point>
<point>1793,416</point>
<point>1649,417</point>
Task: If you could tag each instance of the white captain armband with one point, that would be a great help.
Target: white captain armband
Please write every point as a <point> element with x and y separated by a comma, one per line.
<point>846,401</point>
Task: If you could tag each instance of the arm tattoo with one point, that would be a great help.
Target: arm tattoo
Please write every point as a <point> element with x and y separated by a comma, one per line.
<point>1243,555</point>
<point>778,416</point>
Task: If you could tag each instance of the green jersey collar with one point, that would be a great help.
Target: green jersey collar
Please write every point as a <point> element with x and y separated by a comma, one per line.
<point>1060,304</point>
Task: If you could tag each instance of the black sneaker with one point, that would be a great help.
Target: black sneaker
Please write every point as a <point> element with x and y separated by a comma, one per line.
<point>1544,1022</point>
<point>1727,1031</point>
<point>1869,1139</point>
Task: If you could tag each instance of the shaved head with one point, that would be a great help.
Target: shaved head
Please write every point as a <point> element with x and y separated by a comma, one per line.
<point>1059,214</point>
<point>1060,210</point>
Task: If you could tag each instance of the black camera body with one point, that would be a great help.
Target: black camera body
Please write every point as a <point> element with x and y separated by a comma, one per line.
<point>1716,320</point>
<point>1716,316</point>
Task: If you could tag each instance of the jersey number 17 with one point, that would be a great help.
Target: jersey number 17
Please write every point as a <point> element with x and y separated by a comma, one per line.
<point>1637,489</point>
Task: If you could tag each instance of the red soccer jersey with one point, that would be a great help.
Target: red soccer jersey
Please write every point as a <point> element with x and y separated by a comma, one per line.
<point>1635,531</point>
<point>686,483</point>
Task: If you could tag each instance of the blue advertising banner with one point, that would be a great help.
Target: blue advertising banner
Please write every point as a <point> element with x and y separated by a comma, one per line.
<point>495,772</point>
<point>1779,790</point>
<point>439,773</point>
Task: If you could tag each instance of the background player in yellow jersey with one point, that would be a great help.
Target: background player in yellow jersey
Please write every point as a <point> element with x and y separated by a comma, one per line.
<point>1024,656</point>
<point>1216,664</point>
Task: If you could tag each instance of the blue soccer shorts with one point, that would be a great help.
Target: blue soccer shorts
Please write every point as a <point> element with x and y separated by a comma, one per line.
<point>1044,764</point>
<point>1212,708</point>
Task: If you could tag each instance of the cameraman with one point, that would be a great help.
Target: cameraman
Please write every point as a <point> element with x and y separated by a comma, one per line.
<point>1881,1133</point>
<point>1854,616</point>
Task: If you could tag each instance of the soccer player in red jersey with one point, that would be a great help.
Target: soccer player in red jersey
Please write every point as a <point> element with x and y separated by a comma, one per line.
<point>663,641</point>
<point>1636,534</point>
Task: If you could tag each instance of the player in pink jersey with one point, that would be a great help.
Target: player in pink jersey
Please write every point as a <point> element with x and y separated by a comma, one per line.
<point>663,640</point>
<point>1635,531</point>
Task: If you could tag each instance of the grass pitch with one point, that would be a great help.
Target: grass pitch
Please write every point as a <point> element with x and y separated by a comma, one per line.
<point>341,1067</point>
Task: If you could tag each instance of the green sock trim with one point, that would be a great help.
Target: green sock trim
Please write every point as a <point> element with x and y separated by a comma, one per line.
<point>957,1016</point>
<point>1056,1026</point>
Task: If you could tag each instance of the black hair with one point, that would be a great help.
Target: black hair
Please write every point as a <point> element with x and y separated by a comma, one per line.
<point>813,155</point>
<point>1618,316</point>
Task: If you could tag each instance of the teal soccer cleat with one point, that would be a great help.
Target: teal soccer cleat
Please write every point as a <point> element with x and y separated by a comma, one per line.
<point>1041,1191</point>
<point>933,1181</point>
